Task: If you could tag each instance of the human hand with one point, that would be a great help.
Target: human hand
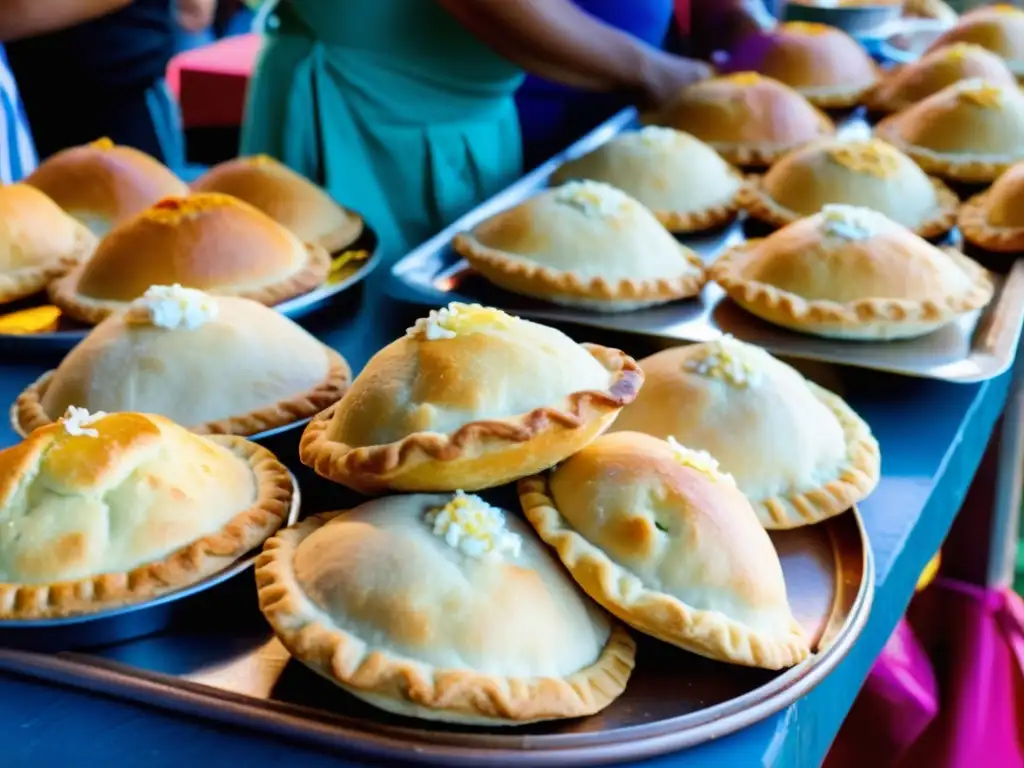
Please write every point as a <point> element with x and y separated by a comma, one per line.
<point>668,75</point>
<point>195,15</point>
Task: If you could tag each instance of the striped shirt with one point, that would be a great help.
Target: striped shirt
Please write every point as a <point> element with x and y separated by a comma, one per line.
<point>17,153</point>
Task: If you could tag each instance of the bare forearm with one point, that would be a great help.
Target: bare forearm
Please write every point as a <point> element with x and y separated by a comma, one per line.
<point>26,18</point>
<point>558,41</point>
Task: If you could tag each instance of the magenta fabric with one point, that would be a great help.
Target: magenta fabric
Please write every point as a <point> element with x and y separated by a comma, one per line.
<point>974,638</point>
<point>900,699</point>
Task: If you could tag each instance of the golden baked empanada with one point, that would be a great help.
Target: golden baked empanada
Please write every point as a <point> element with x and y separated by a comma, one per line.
<point>682,180</point>
<point>970,131</point>
<point>852,273</point>
<point>798,452</point>
<point>443,608</point>
<point>215,364</point>
<point>749,119</point>
<point>655,533</point>
<point>852,172</point>
<point>583,244</point>
<point>469,398</point>
<point>99,511</point>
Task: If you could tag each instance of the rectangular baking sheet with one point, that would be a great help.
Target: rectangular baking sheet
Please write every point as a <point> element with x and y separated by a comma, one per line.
<point>980,346</point>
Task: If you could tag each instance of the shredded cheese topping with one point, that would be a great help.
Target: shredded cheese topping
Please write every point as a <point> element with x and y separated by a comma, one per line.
<point>979,93</point>
<point>727,360</point>
<point>76,421</point>
<point>593,199</point>
<point>743,78</point>
<point>470,525</point>
<point>657,136</point>
<point>811,28</point>
<point>173,307</point>
<point>102,143</point>
<point>701,461</point>
<point>871,157</point>
<point>959,51</point>
<point>851,222</point>
<point>456,318</point>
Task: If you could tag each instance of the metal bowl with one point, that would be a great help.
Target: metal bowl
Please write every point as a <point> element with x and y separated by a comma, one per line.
<point>853,19</point>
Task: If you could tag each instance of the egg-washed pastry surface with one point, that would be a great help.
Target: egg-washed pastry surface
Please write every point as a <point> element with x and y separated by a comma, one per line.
<point>215,364</point>
<point>970,131</point>
<point>583,244</point>
<point>797,451</point>
<point>656,534</point>
<point>751,120</point>
<point>208,241</point>
<point>999,28</point>
<point>821,62</point>
<point>287,197</point>
<point>994,219</point>
<point>867,173</point>
<point>38,242</point>
<point>99,511</point>
<point>682,180</point>
<point>469,398</point>
<point>102,184</point>
<point>441,607</point>
<point>905,86</point>
<point>852,273</point>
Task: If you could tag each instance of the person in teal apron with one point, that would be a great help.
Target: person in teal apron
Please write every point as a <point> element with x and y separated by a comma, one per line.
<point>403,109</point>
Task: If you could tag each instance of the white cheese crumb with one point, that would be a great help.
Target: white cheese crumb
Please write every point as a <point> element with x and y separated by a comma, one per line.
<point>470,525</point>
<point>725,359</point>
<point>593,199</point>
<point>851,222</point>
<point>701,461</point>
<point>77,420</point>
<point>174,307</point>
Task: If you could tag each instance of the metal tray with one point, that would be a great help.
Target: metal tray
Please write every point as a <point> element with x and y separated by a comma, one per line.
<point>980,346</point>
<point>120,625</point>
<point>225,665</point>
<point>69,333</point>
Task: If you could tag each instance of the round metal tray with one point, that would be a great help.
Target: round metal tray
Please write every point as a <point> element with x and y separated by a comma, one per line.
<point>121,624</point>
<point>673,701</point>
<point>69,333</point>
<point>854,19</point>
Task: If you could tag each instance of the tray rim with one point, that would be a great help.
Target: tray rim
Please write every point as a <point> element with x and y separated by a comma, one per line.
<point>112,614</point>
<point>294,308</point>
<point>122,681</point>
<point>1006,335</point>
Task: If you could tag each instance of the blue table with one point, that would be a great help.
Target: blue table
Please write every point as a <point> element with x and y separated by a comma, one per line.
<point>933,436</point>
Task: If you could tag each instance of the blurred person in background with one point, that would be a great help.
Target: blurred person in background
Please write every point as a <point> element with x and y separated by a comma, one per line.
<point>99,73</point>
<point>20,19</point>
<point>202,22</point>
<point>404,109</point>
<point>553,115</point>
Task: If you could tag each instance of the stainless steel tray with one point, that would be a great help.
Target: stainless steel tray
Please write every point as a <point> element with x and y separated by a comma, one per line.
<point>69,333</point>
<point>978,347</point>
<point>120,625</point>
<point>226,666</point>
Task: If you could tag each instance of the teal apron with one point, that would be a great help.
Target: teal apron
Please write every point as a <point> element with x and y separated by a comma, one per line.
<point>392,106</point>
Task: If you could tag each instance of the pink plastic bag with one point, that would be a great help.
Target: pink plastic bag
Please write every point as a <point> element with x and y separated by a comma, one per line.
<point>974,639</point>
<point>897,704</point>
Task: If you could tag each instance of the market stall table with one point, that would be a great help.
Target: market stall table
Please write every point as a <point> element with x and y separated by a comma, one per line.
<point>933,435</point>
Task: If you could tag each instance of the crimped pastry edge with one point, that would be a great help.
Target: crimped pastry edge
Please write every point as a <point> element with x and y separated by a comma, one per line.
<point>623,594</point>
<point>555,284</point>
<point>711,217</point>
<point>761,206</point>
<point>347,660</point>
<point>23,283</point>
<point>854,480</point>
<point>27,412</point>
<point>764,300</point>
<point>963,167</point>
<point>976,229</point>
<point>63,291</point>
<point>374,468</point>
<point>186,565</point>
